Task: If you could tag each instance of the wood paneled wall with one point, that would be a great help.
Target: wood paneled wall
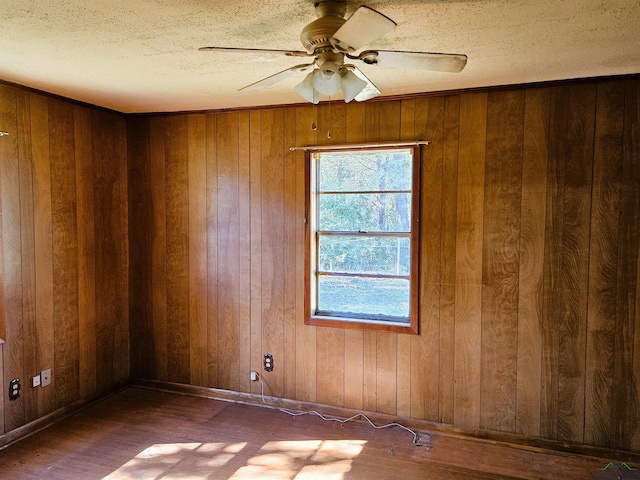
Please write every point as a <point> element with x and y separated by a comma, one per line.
<point>63,252</point>
<point>528,261</point>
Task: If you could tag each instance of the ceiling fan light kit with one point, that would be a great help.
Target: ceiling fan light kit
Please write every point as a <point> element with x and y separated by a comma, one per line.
<point>330,38</point>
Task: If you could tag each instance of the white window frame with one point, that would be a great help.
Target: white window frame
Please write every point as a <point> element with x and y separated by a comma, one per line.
<point>365,322</point>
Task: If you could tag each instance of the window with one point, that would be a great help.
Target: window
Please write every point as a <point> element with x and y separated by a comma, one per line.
<point>362,238</point>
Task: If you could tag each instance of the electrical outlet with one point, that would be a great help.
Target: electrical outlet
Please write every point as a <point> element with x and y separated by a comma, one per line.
<point>268,362</point>
<point>254,376</point>
<point>35,381</point>
<point>45,376</point>
<point>14,389</point>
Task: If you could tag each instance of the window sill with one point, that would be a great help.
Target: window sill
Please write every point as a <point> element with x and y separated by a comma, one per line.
<point>362,324</point>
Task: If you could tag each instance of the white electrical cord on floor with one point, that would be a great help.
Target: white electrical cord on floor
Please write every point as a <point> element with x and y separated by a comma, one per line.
<point>416,439</point>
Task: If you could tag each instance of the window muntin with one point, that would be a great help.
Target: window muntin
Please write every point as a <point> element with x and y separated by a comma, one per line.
<point>363,239</point>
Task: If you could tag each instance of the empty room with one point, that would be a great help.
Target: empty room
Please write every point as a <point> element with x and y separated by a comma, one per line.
<point>333,240</point>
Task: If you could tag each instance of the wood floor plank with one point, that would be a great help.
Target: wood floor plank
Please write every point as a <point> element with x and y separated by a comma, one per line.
<point>139,433</point>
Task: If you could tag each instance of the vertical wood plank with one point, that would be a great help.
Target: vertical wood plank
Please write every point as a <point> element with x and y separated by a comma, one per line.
<point>86,252</point>
<point>244,245</point>
<point>159,334</point>
<point>2,386</point>
<point>119,131</point>
<point>211,127</point>
<point>500,262</point>
<point>177,195</point>
<point>197,187</point>
<point>143,358</point>
<point>425,347</point>
<point>272,246</point>
<point>255,187</point>
<point>43,231</point>
<point>292,223</point>
<point>531,276</point>
<point>469,234</point>
<point>12,254</point>
<point>65,253</point>
<point>228,253</point>
<point>330,341</point>
<point>370,347</point>
<point>575,248</point>
<point>107,228</point>
<point>553,291</point>
<point>27,231</point>
<point>448,257</point>
<point>628,433</point>
<point>387,343</point>
<point>354,339</point>
<point>601,346</point>
<point>306,352</point>
<point>403,383</point>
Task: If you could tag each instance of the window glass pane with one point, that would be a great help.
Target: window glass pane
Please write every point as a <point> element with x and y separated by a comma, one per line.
<point>368,296</point>
<point>368,212</point>
<point>359,254</point>
<point>356,172</point>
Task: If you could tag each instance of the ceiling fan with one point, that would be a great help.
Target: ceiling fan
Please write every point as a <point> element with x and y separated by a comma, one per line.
<point>331,40</point>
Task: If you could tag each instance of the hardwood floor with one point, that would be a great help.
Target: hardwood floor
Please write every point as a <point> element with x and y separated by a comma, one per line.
<point>147,434</point>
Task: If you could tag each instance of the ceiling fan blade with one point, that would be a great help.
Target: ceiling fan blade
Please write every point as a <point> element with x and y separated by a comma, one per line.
<point>369,91</point>
<point>363,27</point>
<point>266,82</point>
<point>439,62</point>
<point>288,53</point>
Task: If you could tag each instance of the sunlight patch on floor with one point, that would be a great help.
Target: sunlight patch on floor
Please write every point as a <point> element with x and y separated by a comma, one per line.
<point>277,460</point>
<point>302,460</point>
<point>157,460</point>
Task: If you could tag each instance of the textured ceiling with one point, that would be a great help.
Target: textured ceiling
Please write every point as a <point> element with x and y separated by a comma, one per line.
<point>141,56</point>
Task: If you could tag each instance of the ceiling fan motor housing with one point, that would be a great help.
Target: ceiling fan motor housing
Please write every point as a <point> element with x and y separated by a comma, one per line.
<point>330,18</point>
